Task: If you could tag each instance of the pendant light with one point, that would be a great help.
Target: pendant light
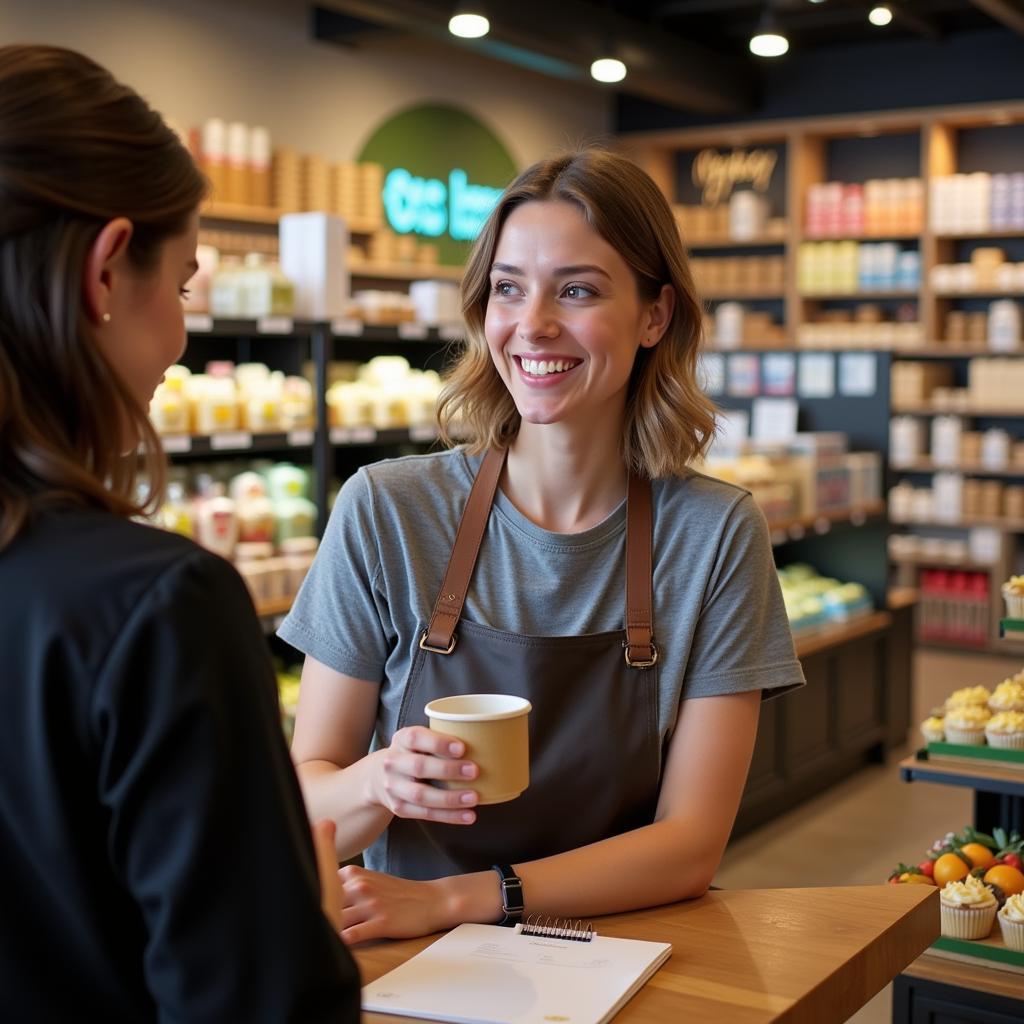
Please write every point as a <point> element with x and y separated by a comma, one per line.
<point>608,69</point>
<point>881,15</point>
<point>469,22</point>
<point>768,40</point>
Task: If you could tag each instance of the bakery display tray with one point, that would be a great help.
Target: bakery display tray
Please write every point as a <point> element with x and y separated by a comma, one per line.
<point>991,951</point>
<point>977,755</point>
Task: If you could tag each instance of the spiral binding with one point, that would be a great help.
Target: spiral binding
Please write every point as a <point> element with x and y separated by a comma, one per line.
<point>558,928</point>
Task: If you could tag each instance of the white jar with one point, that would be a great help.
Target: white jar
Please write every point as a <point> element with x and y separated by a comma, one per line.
<point>1004,326</point>
<point>946,438</point>
<point>747,215</point>
<point>729,318</point>
<point>947,496</point>
<point>995,449</point>
<point>905,440</point>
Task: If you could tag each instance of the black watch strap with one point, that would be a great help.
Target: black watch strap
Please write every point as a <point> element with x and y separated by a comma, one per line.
<point>512,902</point>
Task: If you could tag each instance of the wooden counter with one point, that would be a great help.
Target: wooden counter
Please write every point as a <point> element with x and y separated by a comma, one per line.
<point>798,956</point>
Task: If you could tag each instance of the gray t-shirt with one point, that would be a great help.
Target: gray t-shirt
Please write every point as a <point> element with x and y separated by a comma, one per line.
<point>719,621</point>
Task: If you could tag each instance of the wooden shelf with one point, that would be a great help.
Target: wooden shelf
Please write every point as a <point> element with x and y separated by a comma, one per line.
<point>406,272</point>
<point>725,242</point>
<point>822,638</point>
<point>908,236</point>
<point>269,609</point>
<point>973,469</point>
<point>990,778</point>
<point>242,213</point>
<point>237,442</point>
<point>931,410</point>
<point>940,562</point>
<point>858,296</point>
<point>739,295</point>
<point>796,529</point>
<point>976,977</point>
<point>940,350</point>
<point>972,235</point>
<point>982,293</point>
<point>1005,525</point>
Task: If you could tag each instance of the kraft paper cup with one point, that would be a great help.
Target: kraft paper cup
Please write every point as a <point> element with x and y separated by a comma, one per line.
<point>967,922</point>
<point>494,728</point>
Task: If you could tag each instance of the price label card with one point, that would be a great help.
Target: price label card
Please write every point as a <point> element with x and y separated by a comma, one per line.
<point>711,373</point>
<point>347,327</point>
<point>275,325</point>
<point>817,375</point>
<point>451,332</point>
<point>176,444</point>
<point>198,323</point>
<point>733,426</point>
<point>773,419</point>
<point>412,332</point>
<point>300,438</point>
<point>422,433</point>
<point>743,377</point>
<point>858,374</point>
<point>353,435</point>
<point>778,373</point>
<point>230,439</point>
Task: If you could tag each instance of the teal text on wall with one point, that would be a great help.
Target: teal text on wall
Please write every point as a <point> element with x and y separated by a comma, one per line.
<point>443,173</point>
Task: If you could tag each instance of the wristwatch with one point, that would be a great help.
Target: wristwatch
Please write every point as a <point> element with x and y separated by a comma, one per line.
<point>512,903</point>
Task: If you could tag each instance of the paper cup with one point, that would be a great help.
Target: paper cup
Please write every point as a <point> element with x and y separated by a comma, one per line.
<point>494,728</point>
<point>967,922</point>
<point>1013,933</point>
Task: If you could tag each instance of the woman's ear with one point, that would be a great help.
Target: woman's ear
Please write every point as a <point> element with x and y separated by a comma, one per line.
<point>103,270</point>
<point>659,316</point>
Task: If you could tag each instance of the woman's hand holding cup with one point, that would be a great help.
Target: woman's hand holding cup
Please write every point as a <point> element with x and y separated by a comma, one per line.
<point>405,770</point>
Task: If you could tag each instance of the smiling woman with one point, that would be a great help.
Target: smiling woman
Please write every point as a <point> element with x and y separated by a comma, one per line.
<point>566,556</point>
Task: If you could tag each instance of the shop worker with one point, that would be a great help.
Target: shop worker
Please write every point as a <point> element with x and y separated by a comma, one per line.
<point>577,387</point>
<point>156,857</point>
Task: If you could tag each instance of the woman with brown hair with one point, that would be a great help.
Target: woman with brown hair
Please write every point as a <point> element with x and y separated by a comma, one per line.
<point>631,600</point>
<point>156,857</point>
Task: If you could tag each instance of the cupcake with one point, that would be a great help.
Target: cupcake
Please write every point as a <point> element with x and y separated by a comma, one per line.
<point>969,695</point>
<point>967,909</point>
<point>1013,595</point>
<point>1007,696</point>
<point>1006,730</point>
<point>1011,922</point>
<point>933,730</point>
<point>967,724</point>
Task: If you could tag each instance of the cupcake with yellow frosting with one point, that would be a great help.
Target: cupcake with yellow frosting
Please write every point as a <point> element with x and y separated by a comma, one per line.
<point>1006,730</point>
<point>1007,696</point>
<point>933,730</point>
<point>1011,922</point>
<point>966,724</point>
<point>969,696</point>
<point>1013,595</point>
<point>967,909</point>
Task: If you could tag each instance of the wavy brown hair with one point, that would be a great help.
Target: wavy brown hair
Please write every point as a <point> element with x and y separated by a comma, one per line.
<point>77,149</point>
<point>669,421</point>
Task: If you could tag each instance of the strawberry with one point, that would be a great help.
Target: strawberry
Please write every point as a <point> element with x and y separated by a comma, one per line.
<point>1014,860</point>
<point>927,867</point>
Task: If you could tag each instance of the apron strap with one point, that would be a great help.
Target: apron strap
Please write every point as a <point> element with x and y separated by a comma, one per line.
<point>640,649</point>
<point>440,634</point>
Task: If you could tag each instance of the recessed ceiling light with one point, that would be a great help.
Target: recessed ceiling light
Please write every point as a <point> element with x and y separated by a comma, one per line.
<point>469,25</point>
<point>608,69</point>
<point>880,15</point>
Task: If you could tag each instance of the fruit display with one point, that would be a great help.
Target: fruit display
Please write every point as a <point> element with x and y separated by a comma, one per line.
<point>997,860</point>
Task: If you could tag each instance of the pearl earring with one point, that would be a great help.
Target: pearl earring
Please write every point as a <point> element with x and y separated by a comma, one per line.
<point>106,318</point>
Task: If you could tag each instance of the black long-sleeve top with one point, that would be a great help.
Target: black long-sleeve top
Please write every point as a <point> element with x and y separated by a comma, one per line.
<point>156,862</point>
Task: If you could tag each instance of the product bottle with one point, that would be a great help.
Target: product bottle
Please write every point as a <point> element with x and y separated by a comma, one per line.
<point>217,523</point>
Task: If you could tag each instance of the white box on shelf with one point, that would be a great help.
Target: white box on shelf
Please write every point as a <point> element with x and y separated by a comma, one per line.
<point>436,302</point>
<point>314,255</point>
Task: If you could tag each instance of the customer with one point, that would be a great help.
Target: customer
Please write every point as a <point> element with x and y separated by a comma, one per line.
<point>577,384</point>
<point>154,850</point>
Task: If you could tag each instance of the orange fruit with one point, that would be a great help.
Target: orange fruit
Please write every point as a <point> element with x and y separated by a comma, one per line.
<point>950,868</point>
<point>915,879</point>
<point>1009,879</point>
<point>980,856</point>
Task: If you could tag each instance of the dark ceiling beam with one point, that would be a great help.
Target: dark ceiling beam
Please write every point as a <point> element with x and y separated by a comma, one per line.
<point>1004,11</point>
<point>903,14</point>
<point>661,67</point>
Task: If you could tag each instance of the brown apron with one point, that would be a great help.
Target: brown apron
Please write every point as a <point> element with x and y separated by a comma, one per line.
<point>595,757</point>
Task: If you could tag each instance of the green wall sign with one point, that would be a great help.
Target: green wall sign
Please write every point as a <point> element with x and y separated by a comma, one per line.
<point>443,173</point>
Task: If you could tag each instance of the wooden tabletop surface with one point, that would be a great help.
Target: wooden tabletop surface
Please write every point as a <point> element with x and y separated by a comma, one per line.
<point>798,956</point>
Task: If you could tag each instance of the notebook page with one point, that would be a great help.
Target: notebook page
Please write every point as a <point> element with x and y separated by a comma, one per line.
<point>483,974</point>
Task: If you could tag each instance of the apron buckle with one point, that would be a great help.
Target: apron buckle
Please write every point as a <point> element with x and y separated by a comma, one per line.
<point>424,646</point>
<point>650,663</point>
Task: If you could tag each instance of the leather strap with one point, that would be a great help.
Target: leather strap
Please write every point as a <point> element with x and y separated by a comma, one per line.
<point>440,636</point>
<point>640,649</point>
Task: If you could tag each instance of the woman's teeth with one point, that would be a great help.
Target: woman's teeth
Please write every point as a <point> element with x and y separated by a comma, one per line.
<point>544,367</point>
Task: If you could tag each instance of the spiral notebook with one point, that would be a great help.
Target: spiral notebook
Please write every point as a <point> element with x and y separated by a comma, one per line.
<point>538,974</point>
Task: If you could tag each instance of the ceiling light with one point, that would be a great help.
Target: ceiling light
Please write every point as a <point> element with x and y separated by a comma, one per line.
<point>768,41</point>
<point>608,69</point>
<point>468,24</point>
<point>880,15</point>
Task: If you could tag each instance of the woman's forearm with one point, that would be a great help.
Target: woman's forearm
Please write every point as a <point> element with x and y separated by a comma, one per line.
<point>659,863</point>
<point>344,796</point>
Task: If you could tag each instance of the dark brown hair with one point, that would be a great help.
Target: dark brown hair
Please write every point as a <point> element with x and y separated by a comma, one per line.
<point>77,149</point>
<point>669,421</point>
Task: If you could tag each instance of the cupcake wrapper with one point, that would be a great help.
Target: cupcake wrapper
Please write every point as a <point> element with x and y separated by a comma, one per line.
<point>1014,606</point>
<point>931,736</point>
<point>1013,934</point>
<point>1006,740</point>
<point>972,737</point>
<point>967,922</point>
